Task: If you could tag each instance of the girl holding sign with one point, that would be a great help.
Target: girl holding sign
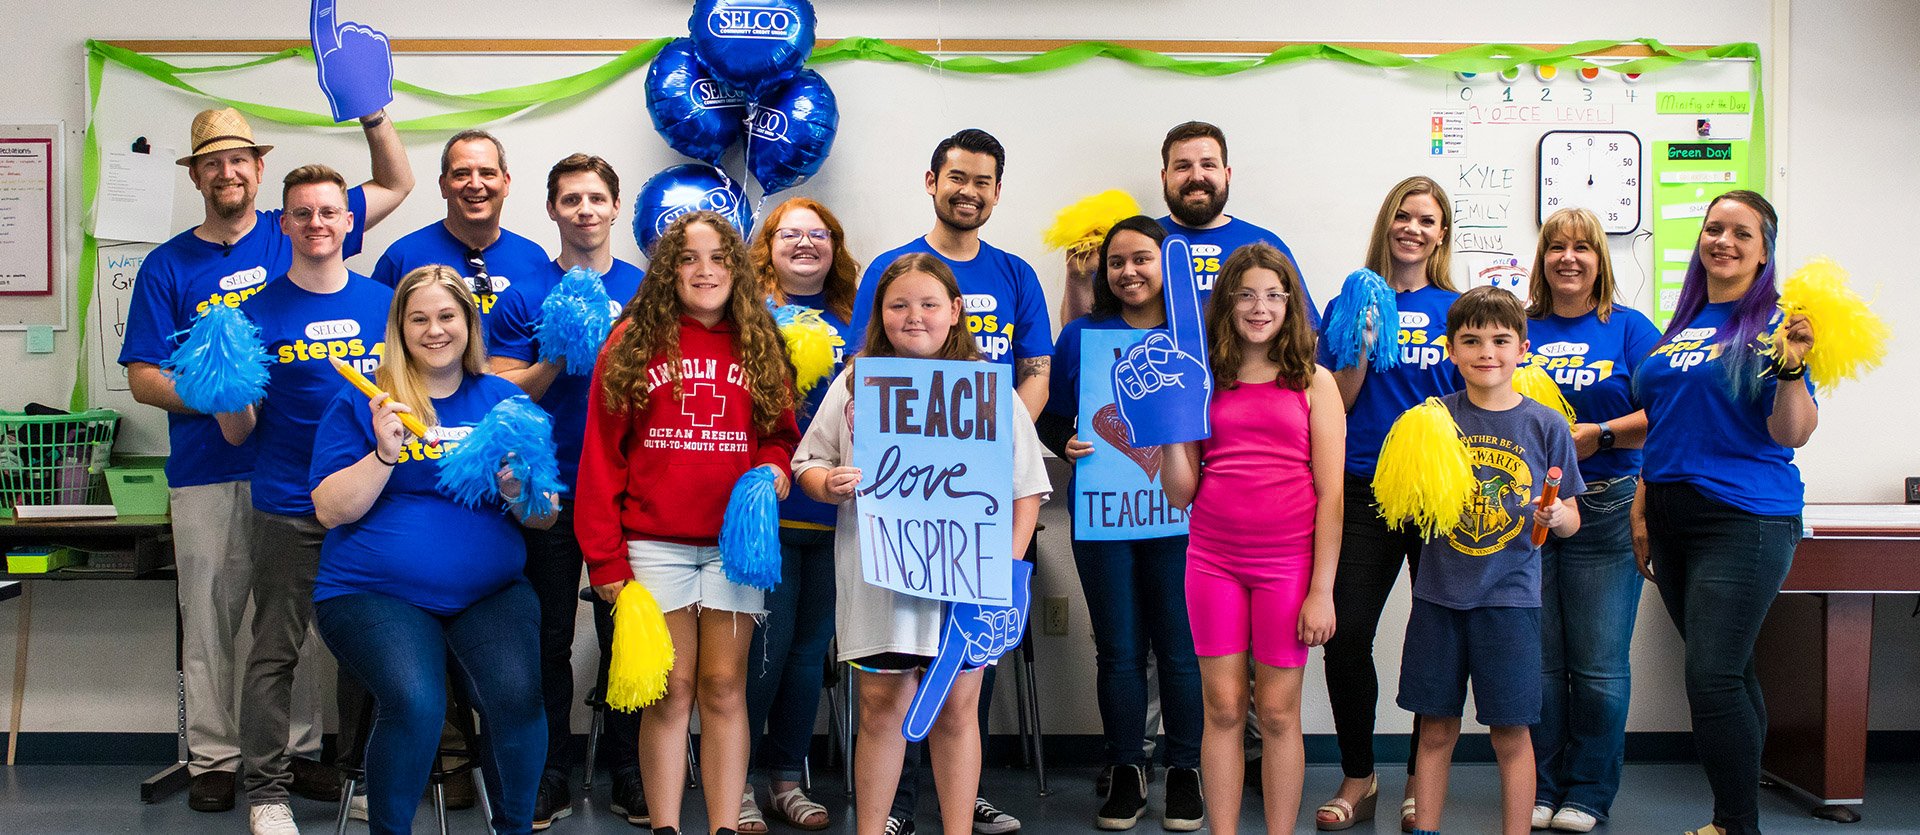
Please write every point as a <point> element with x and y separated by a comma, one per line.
<point>1130,583</point>
<point>1265,491</point>
<point>887,637</point>
<point>1412,250</point>
<point>692,390</point>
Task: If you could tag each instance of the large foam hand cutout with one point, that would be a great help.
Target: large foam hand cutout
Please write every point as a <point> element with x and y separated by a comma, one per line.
<point>976,636</point>
<point>1162,385</point>
<point>356,66</point>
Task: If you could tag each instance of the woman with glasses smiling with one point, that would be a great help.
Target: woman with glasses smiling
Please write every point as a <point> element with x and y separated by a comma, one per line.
<point>799,257</point>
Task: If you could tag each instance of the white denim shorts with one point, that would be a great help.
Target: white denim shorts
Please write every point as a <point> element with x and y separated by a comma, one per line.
<point>686,575</point>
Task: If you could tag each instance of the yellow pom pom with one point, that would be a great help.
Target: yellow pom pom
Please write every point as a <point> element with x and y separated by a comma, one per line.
<point>642,650</point>
<point>1532,381</point>
<point>1083,224</point>
<point>1848,338</point>
<point>1424,476</point>
<point>810,344</point>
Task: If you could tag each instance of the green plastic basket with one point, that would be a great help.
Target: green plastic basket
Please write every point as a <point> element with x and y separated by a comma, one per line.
<point>55,459</point>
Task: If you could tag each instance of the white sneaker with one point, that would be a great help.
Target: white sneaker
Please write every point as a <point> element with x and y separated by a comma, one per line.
<point>272,819</point>
<point>1542,816</point>
<point>1569,819</point>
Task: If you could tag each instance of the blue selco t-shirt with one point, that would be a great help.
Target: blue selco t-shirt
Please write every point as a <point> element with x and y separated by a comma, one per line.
<point>303,331</point>
<point>416,544</point>
<point>1593,361</point>
<point>1212,247</point>
<point>1698,434</point>
<point>510,334</point>
<point>1424,371</point>
<point>797,507</point>
<point>1489,558</point>
<point>1006,309</point>
<point>510,260</point>
<point>176,283</point>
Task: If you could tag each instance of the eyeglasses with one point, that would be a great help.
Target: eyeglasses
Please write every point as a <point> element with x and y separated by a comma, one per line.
<point>1247,298</point>
<point>791,236</point>
<point>477,265</point>
<point>327,214</point>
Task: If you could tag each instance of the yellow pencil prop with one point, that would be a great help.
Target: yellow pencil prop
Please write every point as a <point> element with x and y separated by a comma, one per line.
<point>367,388</point>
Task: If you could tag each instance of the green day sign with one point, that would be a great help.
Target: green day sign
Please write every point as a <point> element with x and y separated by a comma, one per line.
<point>933,443</point>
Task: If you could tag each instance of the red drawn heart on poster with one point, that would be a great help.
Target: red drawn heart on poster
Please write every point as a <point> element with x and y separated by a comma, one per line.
<point>1107,424</point>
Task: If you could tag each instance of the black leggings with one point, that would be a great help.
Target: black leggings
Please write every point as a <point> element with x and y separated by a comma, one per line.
<point>1370,555</point>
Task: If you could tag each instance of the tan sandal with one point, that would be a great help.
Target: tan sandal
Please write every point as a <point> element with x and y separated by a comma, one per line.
<point>1346,815</point>
<point>794,808</point>
<point>1406,815</point>
<point>751,821</point>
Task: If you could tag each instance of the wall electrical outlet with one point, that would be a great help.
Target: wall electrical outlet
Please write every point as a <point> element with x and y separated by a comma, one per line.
<point>1053,615</point>
<point>1913,490</point>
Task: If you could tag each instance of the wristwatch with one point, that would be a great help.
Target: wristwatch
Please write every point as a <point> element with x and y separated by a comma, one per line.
<point>1606,436</point>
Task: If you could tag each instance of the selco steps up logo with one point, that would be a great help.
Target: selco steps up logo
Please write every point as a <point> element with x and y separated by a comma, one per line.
<point>717,199</point>
<point>979,302</point>
<point>243,278</point>
<point>333,329</point>
<point>740,20</point>
<point>1562,349</point>
<point>1413,319</point>
<point>712,95</point>
<point>439,434</point>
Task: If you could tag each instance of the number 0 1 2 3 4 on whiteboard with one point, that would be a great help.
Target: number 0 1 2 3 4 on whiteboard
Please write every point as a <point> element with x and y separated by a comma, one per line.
<point>1598,170</point>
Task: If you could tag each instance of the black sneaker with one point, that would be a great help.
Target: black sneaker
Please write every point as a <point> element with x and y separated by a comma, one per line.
<point>1126,799</point>
<point>1186,808</point>
<point>988,820</point>
<point>553,802</point>
<point>314,780</point>
<point>210,791</point>
<point>629,799</point>
<point>898,826</point>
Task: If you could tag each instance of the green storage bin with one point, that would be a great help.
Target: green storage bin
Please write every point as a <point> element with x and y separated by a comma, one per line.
<point>138,491</point>
<point>34,559</point>
<point>55,459</point>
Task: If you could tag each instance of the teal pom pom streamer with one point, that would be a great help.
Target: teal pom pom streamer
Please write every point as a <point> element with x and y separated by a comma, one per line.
<point>1364,292</point>
<point>514,431</point>
<point>575,320</point>
<point>750,531</point>
<point>222,365</point>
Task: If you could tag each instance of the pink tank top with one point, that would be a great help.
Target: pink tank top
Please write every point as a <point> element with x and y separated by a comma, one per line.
<point>1256,494</point>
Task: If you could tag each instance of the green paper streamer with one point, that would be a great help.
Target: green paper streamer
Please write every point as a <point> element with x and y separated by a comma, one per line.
<point>493,105</point>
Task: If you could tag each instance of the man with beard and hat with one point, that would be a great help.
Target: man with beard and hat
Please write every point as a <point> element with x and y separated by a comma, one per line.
<point>1194,176</point>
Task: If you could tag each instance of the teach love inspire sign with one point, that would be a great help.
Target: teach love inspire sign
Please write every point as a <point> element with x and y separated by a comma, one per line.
<point>933,443</point>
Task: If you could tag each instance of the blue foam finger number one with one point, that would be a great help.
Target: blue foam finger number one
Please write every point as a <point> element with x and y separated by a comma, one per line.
<point>1162,385</point>
<point>975,636</point>
<point>355,63</point>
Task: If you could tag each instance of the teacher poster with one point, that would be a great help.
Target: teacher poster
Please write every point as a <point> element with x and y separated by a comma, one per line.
<point>1116,490</point>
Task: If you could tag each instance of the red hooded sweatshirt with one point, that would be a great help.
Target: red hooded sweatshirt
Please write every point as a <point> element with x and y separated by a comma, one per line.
<point>665,472</point>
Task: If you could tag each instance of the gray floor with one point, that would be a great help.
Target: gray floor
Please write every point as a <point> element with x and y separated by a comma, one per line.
<point>1654,799</point>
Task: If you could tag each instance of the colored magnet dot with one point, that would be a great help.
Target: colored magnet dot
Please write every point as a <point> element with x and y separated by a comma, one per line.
<point>1630,76</point>
<point>1466,76</point>
<point>1511,74</point>
<point>1545,72</point>
<point>1589,73</point>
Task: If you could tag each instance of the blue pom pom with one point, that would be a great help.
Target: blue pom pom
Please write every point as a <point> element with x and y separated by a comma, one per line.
<point>750,531</point>
<point>222,365</point>
<point>575,320</point>
<point>1364,293</point>
<point>516,432</point>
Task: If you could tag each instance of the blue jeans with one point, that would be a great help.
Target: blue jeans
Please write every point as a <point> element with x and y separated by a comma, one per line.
<point>400,653</point>
<point>787,663</point>
<point>1718,569</point>
<point>1135,599</point>
<point>1589,595</point>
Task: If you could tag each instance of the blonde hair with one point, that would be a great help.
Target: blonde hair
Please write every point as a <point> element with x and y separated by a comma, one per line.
<point>1581,226</point>
<point>1379,248</point>
<point>397,374</point>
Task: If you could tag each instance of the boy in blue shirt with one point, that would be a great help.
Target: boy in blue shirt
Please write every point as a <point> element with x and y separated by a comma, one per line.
<point>1476,606</point>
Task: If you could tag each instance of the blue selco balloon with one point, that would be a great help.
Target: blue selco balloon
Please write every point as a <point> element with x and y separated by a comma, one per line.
<point>752,45</point>
<point>791,131</point>
<point>687,188</point>
<point>698,115</point>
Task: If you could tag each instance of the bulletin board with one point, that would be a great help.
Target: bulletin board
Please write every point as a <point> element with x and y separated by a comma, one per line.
<point>1317,134</point>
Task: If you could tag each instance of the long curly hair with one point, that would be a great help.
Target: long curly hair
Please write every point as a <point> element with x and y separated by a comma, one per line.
<point>841,277</point>
<point>649,329</point>
<point>1292,349</point>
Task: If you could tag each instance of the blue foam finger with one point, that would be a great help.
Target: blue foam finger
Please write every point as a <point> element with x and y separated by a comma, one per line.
<point>974,637</point>
<point>222,364</point>
<point>354,61</point>
<point>516,433</point>
<point>1364,297</point>
<point>750,531</point>
<point>575,320</point>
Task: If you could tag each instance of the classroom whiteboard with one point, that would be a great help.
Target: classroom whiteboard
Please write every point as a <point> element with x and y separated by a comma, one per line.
<point>1314,146</point>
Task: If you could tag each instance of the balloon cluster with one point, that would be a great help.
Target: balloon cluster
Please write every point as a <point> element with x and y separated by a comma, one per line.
<point>738,78</point>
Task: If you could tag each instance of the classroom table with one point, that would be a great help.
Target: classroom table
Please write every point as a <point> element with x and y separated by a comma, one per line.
<point>1816,649</point>
<point>149,542</point>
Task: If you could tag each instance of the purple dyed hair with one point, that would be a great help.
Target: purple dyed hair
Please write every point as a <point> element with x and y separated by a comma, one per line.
<point>1751,313</point>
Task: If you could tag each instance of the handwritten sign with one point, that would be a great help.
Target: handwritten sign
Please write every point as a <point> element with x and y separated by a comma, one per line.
<point>1116,490</point>
<point>933,443</point>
